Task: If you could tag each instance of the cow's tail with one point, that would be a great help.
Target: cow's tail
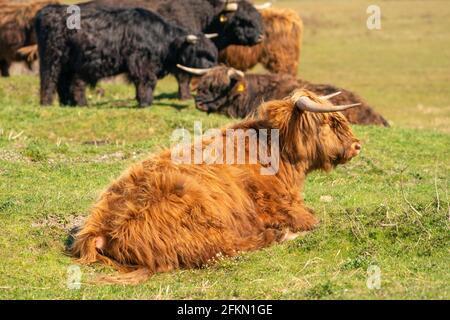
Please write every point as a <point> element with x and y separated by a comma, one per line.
<point>87,248</point>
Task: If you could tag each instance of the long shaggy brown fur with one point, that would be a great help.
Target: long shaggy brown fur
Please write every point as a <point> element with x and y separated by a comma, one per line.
<point>17,31</point>
<point>160,215</point>
<point>225,91</point>
<point>280,50</point>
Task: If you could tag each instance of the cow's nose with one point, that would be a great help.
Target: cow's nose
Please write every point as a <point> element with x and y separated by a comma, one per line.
<point>357,147</point>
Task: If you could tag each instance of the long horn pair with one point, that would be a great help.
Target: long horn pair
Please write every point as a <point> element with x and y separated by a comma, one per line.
<point>263,6</point>
<point>306,104</point>
<point>194,71</point>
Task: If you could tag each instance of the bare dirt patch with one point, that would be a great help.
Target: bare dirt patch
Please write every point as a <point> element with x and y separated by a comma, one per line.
<point>63,223</point>
<point>12,156</point>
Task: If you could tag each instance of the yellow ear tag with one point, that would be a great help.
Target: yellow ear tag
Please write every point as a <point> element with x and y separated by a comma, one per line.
<point>241,87</point>
<point>223,18</point>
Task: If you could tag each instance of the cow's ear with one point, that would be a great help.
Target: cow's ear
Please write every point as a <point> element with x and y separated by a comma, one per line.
<point>195,81</point>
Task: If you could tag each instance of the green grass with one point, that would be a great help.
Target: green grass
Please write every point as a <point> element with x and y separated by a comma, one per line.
<point>389,207</point>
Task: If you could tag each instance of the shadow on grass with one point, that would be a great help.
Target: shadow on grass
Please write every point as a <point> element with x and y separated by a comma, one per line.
<point>132,104</point>
<point>170,96</point>
<point>116,104</point>
<point>178,106</point>
<point>167,95</point>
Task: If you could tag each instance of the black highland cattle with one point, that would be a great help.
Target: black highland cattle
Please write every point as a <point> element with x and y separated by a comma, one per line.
<point>235,22</point>
<point>137,42</point>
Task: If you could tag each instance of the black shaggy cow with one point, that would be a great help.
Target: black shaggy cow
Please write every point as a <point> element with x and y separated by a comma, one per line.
<point>235,22</point>
<point>231,92</point>
<point>136,42</point>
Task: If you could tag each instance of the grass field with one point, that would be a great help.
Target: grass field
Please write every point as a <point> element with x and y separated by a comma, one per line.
<point>388,208</point>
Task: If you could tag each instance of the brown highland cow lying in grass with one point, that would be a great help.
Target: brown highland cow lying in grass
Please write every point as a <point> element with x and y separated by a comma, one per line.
<point>229,91</point>
<point>162,215</point>
<point>17,31</point>
<point>280,50</point>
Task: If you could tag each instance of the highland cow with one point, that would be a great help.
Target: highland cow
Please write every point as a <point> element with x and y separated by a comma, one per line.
<point>231,92</point>
<point>17,31</point>
<point>136,42</point>
<point>279,52</point>
<point>162,215</point>
<point>232,22</point>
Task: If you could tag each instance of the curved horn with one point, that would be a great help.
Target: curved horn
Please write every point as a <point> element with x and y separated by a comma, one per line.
<point>192,38</point>
<point>306,104</point>
<point>263,6</point>
<point>232,5</point>
<point>195,71</point>
<point>233,72</point>
<point>211,35</point>
<point>328,97</point>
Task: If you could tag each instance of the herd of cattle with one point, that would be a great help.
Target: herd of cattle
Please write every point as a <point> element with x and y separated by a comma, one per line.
<point>148,39</point>
<point>161,215</point>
